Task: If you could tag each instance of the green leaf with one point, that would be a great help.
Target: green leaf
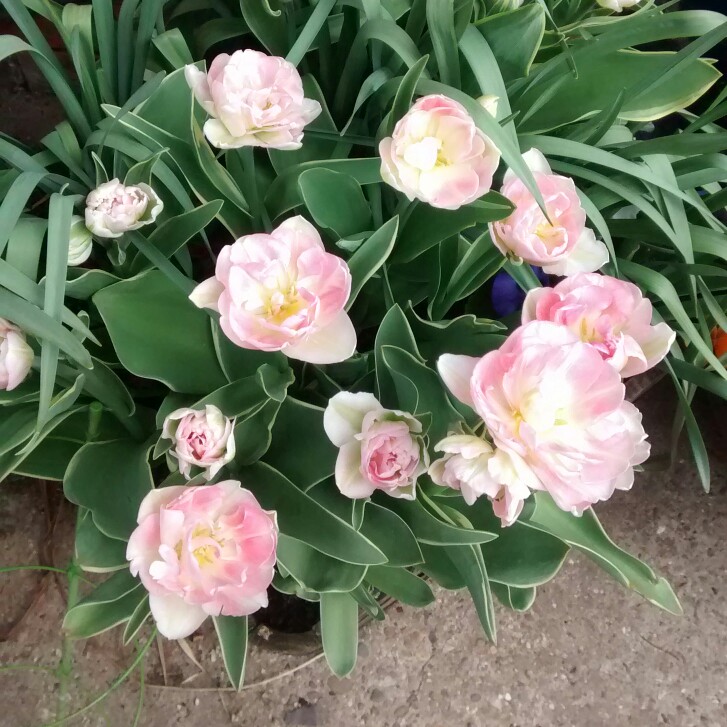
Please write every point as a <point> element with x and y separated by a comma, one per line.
<point>370,256</point>
<point>514,38</point>
<point>517,599</point>
<point>38,324</point>
<point>465,335</point>
<point>440,19</point>
<point>96,552</point>
<point>174,233</point>
<point>310,30</point>
<point>405,92</point>
<point>148,308</point>
<point>393,331</point>
<point>469,562</point>
<point>339,631</point>
<point>335,201</point>
<point>60,211</point>
<point>699,449</point>
<point>232,633</point>
<point>269,28</point>
<point>302,518</point>
<point>300,449</point>
<point>316,571</point>
<point>110,479</point>
<point>284,193</point>
<point>428,226</point>
<point>420,391</point>
<point>141,172</point>
<point>523,557</point>
<point>586,534</point>
<point>440,567</point>
<point>401,584</point>
<point>136,621</point>
<point>431,530</point>
<point>386,530</point>
<point>108,605</point>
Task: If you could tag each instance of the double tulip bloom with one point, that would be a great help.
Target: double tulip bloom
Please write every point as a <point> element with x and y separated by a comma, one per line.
<point>379,449</point>
<point>283,292</point>
<point>201,439</point>
<point>560,243</point>
<point>609,314</point>
<point>114,208</point>
<point>203,551</point>
<point>438,155</point>
<point>253,99</point>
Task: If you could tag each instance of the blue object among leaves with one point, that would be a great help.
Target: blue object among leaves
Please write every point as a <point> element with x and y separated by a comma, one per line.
<point>507,295</point>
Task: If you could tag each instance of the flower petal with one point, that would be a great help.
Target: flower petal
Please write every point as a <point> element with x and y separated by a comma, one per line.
<point>344,415</point>
<point>349,479</point>
<point>332,344</point>
<point>588,255</point>
<point>207,294</point>
<point>456,372</point>
<point>175,619</point>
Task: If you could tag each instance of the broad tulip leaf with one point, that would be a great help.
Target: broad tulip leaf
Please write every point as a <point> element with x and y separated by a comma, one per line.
<point>159,334</point>
<point>430,530</point>
<point>370,256</point>
<point>600,80</point>
<point>232,632</point>
<point>428,226</point>
<point>335,201</point>
<point>586,534</point>
<point>385,529</point>
<point>514,38</point>
<point>316,571</point>
<point>517,599</point>
<point>110,479</point>
<point>339,631</point>
<point>400,583</point>
<point>95,551</point>
<point>300,449</point>
<point>109,604</point>
<point>302,518</point>
<point>469,562</point>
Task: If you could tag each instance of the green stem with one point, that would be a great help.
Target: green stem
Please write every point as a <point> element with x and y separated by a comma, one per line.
<point>65,667</point>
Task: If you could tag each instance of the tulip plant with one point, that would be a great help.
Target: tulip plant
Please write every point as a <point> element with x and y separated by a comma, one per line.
<point>248,294</point>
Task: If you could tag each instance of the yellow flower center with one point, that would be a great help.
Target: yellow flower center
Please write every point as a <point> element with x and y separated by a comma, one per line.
<point>282,304</point>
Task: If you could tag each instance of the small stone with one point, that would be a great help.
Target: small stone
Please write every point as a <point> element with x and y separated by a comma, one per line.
<point>377,695</point>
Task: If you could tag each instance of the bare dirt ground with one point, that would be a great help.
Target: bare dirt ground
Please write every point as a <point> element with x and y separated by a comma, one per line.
<point>589,653</point>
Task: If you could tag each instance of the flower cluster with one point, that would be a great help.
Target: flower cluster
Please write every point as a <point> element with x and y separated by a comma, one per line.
<point>551,398</point>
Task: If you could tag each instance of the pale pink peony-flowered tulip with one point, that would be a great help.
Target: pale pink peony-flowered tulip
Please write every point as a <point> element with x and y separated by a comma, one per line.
<point>202,551</point>
<point>254,100</point>
<point>438,155</point>
<point>563,245</point>
<point>113,208</point>
<point>201,438</point>
<point>476,468</point>
<point>16,356</point>
<point>553,401</point>
<point>283,292</point>
<point>610,314</point>
<point>379,449</point>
